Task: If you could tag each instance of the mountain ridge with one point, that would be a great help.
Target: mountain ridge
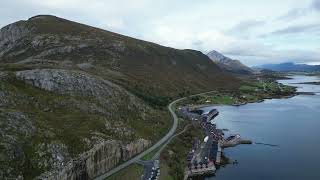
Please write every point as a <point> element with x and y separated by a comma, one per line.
<point>55,40</point>
<point>76,100</point>
<point>228,64</point>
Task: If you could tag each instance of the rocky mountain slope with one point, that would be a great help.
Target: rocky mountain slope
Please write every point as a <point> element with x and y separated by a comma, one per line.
<point>228,64</point>
<point>77,100</point>
<point>50,116</point>
<point>48,41</point>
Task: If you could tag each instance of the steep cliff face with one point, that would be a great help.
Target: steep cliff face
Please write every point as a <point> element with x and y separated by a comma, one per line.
<point>50,117</point>
<point>13,32</point>
<point>11,37</point>
<point>101,158</point>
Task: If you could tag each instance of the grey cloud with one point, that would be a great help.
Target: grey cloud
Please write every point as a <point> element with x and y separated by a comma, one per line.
<point>245,26</point>
<point>249,51</point>
<point>300,12</point>
<point>294,13</point>
<point>260,56</point>
<point>143,19</point>
<point>297,29</point>
<point>197,45</point>
<point>316,5</point>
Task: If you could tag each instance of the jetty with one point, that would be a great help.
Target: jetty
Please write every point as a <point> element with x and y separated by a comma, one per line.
<point>205,156</point>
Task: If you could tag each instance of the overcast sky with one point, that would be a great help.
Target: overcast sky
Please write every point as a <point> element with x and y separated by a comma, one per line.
<point>254,31</point>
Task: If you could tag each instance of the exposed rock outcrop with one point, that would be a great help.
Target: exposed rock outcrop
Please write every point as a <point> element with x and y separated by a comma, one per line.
<point>78,83</point>
<point>11,34</point>
<point>81,87</point>
<point>16,129</point>
<point>69,82</point>
<point>100,159</point>
<point>32,138</point>
<point>228,64</point>
<point>49,41</point>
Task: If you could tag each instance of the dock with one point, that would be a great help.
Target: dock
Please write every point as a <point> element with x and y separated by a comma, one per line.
<point>205,155</point>
<point>205,159</point>
<point>211,169</point>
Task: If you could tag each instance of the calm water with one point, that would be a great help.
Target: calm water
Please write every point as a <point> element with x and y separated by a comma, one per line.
<point>293,124</point>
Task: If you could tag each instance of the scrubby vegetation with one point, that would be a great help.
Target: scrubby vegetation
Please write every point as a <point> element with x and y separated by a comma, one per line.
<point>149,76</point>
<point>173,158</point>
<point>249,92</point>
<point>132,172</point>
<point>64,124</point>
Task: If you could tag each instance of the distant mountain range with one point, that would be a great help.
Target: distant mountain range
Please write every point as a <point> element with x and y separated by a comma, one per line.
<point>228,64</point>
<point>290,66</point>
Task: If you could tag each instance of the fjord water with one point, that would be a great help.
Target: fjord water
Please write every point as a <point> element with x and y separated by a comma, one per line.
<point>292,125</point>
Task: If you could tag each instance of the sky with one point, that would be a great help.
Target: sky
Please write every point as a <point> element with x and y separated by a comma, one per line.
<point>253,31</point>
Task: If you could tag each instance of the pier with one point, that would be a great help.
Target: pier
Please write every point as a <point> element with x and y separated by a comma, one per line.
<point>205,156</point>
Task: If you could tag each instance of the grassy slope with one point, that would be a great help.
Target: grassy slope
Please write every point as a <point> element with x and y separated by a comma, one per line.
<point>155,73</point>
<point>248,92</point>
<point>173,158</point>
<point>58,119</point>
<point>152,72</point>
<point>132,172</point>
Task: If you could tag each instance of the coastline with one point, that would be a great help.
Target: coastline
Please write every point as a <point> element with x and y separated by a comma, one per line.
<point>271,116</point>
<point>279,94</point>
<point>196,106</point>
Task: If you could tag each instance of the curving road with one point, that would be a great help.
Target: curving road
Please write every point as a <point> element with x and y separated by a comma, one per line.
<point>155,146</point>
<point>157,155</point>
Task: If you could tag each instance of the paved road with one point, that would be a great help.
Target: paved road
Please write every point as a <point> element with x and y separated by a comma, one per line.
<point>157,155</point>
<point>149,164</point>
<point>155,146</point>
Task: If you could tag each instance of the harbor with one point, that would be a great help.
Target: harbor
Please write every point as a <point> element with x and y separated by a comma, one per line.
<point>272,125</point>
<point>205,157</point>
